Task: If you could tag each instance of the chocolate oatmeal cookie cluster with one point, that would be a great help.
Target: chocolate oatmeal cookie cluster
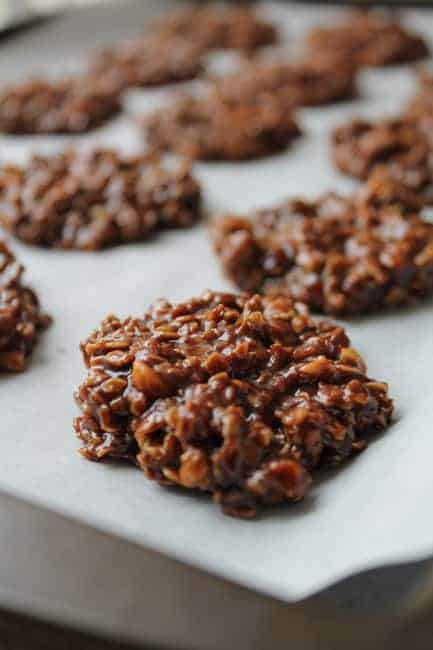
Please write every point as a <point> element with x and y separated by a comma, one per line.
<point>240,396</point>
<point>148,62</point>
<point>360,145</point>
<point>74,105</point>
<point>369,39</point>
<point>91,200</point>
<point>338,255</point>
<point>215,27</point>
<point>21,319</point>
<point>392,151</point>
<point>215,128</point>
<point>306,83</point>
<point>396,149</point>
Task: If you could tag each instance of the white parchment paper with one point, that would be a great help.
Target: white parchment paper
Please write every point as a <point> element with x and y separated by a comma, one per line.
<point>375,510</point>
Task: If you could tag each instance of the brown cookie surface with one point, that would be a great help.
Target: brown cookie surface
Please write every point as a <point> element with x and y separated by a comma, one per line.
<point>240,396</point>
<point>358,146</point>
<point>149,62</point>
<point>63,106</point>
<point>369,39</point>
<point>407,188</point>
<point>307,83</point>
<point>21,319</point>
<point>211,128</point>
<point>420,107</point>
<point>214,27</point>
<point>90,200</point>
<point>335,255</point>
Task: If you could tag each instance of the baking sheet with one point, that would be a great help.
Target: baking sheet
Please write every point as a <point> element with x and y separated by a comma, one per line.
<point>376,510</point>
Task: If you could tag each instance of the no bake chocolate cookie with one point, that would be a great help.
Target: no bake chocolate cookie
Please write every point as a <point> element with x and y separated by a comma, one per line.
<point>149,62</point>
<point>216,27</point>
<point>65,106</point>
<point>239,396</point>
<point>336,256</point>
<point>21,319</point>
<point>358,146</point>
<point>212,128</point>
<point>369,39</point>
<point>306,83</point>
<point>90,200</point>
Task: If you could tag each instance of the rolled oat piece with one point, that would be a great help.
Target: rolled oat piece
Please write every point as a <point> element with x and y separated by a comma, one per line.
<point>369,39</point>
<point>92,199</point>
<point>240,396</point>
<point>63,106</point>
<point>338,255</point>
<point>216,27</point>
<point>148,62</point>
<point>310,82</point>
<point>358,146</point>
<point>21,319</point>
<point>212,128</point>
